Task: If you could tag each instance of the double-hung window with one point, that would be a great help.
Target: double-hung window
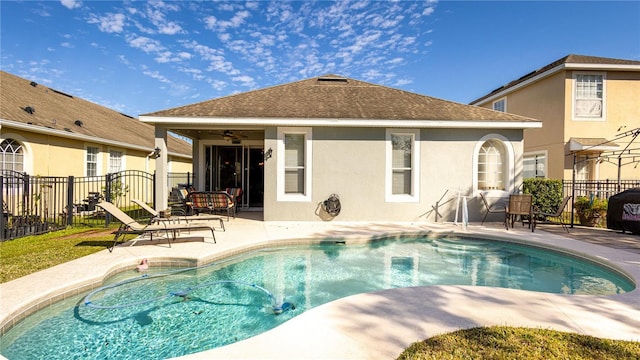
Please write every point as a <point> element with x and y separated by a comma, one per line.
<point>500,105</point>
<point>294,164</point>
<point>534,165</point>
<point>589,96</point>
<point>92,161</point>
<point>402,165</point>
<point>115,161</point>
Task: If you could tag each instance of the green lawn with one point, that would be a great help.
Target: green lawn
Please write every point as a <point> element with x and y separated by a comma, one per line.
<point>499,342</point>
<point>26,255</point>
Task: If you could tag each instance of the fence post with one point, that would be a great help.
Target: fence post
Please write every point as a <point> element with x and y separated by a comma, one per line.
<point>154,188</point>
<point>573,189</point>
<point>70,186</point>
<point>3,221</point>
<point>107,197</point>
<point>25,193</point>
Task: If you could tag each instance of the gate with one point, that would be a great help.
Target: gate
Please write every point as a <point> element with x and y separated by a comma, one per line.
<point>37,204</point>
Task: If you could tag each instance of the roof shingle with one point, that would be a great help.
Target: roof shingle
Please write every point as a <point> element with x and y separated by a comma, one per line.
<point>53,109</point>
<point>334,97</point>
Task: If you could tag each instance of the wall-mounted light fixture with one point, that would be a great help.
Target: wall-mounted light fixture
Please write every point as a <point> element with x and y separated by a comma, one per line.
<point>268,154</point>
<point>155,153</point>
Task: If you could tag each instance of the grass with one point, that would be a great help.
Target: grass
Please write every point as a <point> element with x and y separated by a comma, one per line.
<point>499,342</point>
<point>30,254</point>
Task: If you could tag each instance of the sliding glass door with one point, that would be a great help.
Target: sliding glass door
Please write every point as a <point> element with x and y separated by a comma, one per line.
<point>236,166</point>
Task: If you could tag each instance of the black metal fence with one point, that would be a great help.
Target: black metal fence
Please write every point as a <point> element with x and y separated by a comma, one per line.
<point>38,204</point>
<point>603,189</point>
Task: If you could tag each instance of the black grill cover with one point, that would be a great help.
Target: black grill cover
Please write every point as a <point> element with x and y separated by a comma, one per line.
<point>623,212</point>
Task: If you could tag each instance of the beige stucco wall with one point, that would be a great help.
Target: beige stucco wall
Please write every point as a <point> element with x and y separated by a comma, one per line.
<point>47,155</point>
<point>622,108</point>
<point>550,100</point>
<point>350,162</point>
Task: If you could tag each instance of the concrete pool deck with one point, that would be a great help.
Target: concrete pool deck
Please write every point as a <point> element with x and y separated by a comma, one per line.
<point>377,325</point>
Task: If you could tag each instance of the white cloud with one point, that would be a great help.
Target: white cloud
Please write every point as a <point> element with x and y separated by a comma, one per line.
<point>213,23</point>
<point>110,23</point>
<point>217,84</point>
<point>71,4</point>
<point>402,82</point>
<point>156,75</point>
<point>246,80</point>
<point>428,11</point>
<point>146,44</point>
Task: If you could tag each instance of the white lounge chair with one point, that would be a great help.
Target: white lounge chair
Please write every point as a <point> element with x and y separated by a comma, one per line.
<point>130,226</point>
<point>186,218</point>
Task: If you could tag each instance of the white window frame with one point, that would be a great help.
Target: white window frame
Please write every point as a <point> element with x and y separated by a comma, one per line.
<point>27,152</point>
<point>414,197</point>
<point>574,97</point>
<point>502,101</point>
<point>86,160</point>
<point>280,164</point>
<point>18,150</point>
<point>545,154</point>
<point>508,168</point>
<point>122,160</point>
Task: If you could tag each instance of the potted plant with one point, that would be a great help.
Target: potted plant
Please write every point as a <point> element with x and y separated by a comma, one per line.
<point>590,210</point>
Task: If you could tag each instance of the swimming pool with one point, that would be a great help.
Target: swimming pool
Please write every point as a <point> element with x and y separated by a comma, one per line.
<point>306,276</point>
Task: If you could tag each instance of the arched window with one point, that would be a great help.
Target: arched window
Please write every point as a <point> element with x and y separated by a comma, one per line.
<point>492,166</point>
<point>11,155</point>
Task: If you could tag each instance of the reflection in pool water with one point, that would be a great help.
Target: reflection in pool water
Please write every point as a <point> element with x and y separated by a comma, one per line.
<point>170,312</point>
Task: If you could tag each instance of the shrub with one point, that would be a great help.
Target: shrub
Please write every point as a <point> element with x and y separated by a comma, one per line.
<point>547,193</point>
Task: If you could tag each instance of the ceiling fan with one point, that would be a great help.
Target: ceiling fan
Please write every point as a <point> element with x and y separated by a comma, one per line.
<point>230,135</point>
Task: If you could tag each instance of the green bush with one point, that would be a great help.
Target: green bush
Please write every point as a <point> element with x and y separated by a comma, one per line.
<point>547,193</point>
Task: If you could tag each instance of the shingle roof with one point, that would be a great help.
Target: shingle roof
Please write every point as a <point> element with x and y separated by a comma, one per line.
<point>53,109</point>
<point>569,59</point>
<point>334,97</point>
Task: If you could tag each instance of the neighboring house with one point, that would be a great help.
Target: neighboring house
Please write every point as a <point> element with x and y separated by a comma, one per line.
<point>46,132</point>
<point>589,107</point>
<point>388,154</point>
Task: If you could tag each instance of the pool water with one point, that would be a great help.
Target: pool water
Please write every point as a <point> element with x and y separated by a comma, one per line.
<point>219,305</point>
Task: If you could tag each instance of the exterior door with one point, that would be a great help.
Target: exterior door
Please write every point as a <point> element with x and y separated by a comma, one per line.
<point>236,166</point>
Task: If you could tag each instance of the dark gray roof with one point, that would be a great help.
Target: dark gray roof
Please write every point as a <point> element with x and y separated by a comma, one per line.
<point>53,109</point>
<point>569,59</point>
<point>334,97</point>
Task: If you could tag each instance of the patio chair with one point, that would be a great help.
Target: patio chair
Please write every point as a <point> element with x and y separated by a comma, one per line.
<point>199,202</point>
<point>155,216</point>
<point>130,226</point>
<point>236,194</point>
<point>496,208</point>
<point>521,205</point>
<point>223,201</point>
<point>557,214</point>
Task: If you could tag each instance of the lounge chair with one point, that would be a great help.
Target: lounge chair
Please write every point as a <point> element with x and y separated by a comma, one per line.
<point>155,217</point>
<point>130,226</point>
<point>557,214</point>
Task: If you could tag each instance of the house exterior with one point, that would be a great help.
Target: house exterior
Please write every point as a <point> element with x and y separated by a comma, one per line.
<point>387,154</point>
<point>590,110</point>
<point>46,132</point>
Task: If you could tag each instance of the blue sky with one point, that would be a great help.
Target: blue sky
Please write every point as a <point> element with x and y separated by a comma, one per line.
<point>139,57</point>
